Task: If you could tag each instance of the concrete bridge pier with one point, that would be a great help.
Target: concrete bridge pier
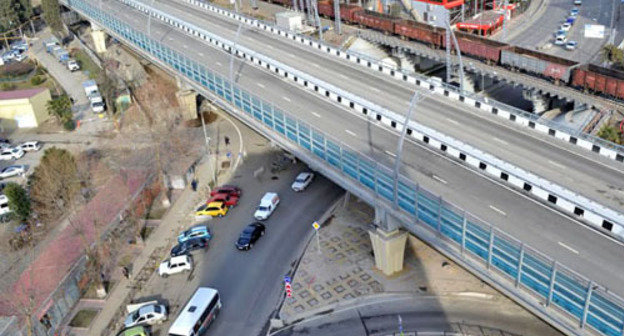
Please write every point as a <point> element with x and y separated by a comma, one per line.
<point>406,61</point>
<point>388,241</point>
<point>99,38</point>
<point>470,84</point>
<point>187,98</point>
<point>540,102</point>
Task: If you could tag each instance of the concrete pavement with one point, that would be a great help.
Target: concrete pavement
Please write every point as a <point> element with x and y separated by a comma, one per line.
<point>538,226</point>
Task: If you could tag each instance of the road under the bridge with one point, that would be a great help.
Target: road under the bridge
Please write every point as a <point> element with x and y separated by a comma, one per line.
<point>575,246</point>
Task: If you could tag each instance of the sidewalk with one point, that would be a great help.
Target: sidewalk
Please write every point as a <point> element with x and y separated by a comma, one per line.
<point>158,243</point>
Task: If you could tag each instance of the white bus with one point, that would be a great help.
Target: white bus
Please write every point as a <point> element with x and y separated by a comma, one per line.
<point>198,313</point>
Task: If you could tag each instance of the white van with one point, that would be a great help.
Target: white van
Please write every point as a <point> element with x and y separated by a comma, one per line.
<point>268,203</point>
<point>198,313</point>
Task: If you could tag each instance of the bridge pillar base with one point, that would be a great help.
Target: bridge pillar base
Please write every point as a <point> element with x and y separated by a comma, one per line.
<point>188,104</point>
<point>99,40</point>
<point>389,249</point>
<point>541,103</point>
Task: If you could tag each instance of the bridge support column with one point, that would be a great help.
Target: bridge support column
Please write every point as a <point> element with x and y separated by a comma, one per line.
<point>540,102</point>
<point>469,84</point>
<point>388,242</point>
<point>187,98</point>
<point>99,38</point>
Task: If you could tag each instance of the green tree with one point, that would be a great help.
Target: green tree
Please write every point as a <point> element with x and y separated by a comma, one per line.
<point>612,54</point>
<point>19,202</point>
<point>60,108</point>
<point>610,133</point>
<point>54,183</point>
<point>9,17</point>
<point>52,14</point>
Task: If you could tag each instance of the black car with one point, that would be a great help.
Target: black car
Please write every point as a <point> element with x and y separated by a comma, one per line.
<point>250,235</point>
<point>188,246</point>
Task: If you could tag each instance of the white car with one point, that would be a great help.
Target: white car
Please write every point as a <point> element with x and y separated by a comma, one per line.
<point>21,56</point>
<point>73,65</point>
<point>268,203</point>
<point>30,146</point>
<point>566,27</point>
<point>302,181</point>
<point>149,314</point>
<point>11,153</point>
<point>97,107</point>
<point>175,265</point>
<point>560,40</point>
<point>11,171</point>
<point>578,2</point>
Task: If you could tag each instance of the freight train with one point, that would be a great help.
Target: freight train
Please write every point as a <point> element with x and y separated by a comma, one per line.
<point>585,77</point>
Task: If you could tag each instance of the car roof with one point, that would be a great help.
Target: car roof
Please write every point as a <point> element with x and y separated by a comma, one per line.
<point>304,174</point>
<point>215,204</point>
<point>179,258</point>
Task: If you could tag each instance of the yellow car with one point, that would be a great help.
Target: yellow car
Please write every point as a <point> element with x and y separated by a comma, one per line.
<point>214,209</point>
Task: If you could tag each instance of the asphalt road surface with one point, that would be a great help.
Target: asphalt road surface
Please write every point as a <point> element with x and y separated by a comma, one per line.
<point>554,160</point>
<point>594,12</point>
<point>556,235</point>
<point>251,282</point>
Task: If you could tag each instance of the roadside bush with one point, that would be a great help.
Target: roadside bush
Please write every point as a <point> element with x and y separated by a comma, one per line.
<point>69,125</point>
<point>36,80</point>
<point>8,86</point>
<point>19,202</point>
<point>40,71</point>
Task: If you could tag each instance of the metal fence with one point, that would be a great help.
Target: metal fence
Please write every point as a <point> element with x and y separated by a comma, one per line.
<point>584,302</point>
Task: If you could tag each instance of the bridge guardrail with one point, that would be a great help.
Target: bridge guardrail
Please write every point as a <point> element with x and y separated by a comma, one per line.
<point>552,128</point>
<point>574,203</point>
<point>551,286</point>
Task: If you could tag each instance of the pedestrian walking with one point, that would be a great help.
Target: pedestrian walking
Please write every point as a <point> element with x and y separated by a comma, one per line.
<point>126,272</point>
<point>194,184</point>
<point>227,140</point>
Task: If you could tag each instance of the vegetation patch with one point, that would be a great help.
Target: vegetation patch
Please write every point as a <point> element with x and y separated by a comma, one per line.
<point>83,318</point>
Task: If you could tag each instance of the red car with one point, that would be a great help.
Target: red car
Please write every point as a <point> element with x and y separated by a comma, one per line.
<point>228,190</point>
<point>229,200</point>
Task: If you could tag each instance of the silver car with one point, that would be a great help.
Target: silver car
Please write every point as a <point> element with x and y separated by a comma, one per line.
<point>149,314</point>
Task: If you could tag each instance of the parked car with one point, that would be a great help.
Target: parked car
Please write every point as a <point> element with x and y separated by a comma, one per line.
<point>213,209</point>
<point>229,200</point>
<point>30,146</point>
<point>20,56</point>
<point>302,181</point>
<point>135,331</point>
<point>175,265</point>
<point>560,40</point>
<point>11,153</point>
<point>250,235</point>
<point>268,203</point>
<point>566,26</point>
<point>197,231</point>
<point>562,33</point>
<point>98,106</point>
<point>11,171</point>
<point>189,246</point>
<point>574,12</point>
<point>227,189</point>
<point>4,141</point>
<point>149,314</point>
<point>578,2</point>
<point>72,65</point>
<point>571,45</point>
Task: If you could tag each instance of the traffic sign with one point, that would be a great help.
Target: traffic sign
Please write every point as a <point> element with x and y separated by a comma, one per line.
<point>316,226</point>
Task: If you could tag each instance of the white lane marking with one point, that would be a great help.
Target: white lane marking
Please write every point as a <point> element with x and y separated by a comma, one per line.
<point>170,38</point>
<point>343,76</point>
<point>270,46</point>
<point>316,114</point>
<point>315,65</point>
<point>390,153</point>
<point>351,133</point>
<point>201,54</point>
<point>439,179</point>
<point>498,210</point>
<point>452,121</point>
<point>376,89</point>
<point>286,99</point>
<point>569,248</point>
<point>557,164</point>
<point>260,85</point>
<point>184,46</point>
<point>501,141</point>
<point>291,55</point>
<point>219,64</point>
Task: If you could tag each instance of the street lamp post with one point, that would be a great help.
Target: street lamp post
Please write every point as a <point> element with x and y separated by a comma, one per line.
<point>149,20</point>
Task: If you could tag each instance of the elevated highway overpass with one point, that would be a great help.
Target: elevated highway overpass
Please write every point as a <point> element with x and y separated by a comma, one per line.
<point>524,219</point>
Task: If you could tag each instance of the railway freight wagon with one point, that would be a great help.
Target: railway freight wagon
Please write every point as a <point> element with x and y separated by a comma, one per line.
<point>552,67</point>
<point>598,79</point>
<point>479,47</point>
<point>378,21</point>
<point>326,9</point>
<point>347,12</point>
<point>420,32</point>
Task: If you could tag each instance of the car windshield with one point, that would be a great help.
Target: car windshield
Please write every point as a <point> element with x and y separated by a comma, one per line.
<point>301,179</point>
<point>263,208</point>
<point>157,309</point>
<point>135,316</point>
<point>213,209</point>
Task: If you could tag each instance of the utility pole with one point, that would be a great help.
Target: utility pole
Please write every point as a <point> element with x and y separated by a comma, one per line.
<point>318,20</point>
<point>613,9</point>
<point>449,65</point>
<point>149,20</point>
<point>238,31</point>
<point>337,16</point>
<point>505,20</point>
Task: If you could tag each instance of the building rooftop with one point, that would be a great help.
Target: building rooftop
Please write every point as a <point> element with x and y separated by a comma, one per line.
<point>20,94</point>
